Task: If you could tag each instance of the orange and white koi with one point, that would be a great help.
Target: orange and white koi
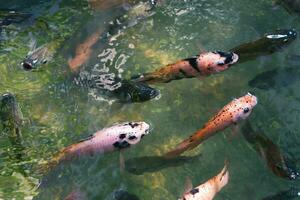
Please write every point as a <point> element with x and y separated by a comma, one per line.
<point>201,65</point>
<point>210,188</point>
<point>237,110</point>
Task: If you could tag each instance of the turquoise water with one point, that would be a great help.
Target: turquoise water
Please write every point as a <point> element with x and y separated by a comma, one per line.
<point>57,112</point>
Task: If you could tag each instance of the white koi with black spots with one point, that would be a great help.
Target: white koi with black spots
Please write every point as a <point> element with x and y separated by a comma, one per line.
<point>116,137</point>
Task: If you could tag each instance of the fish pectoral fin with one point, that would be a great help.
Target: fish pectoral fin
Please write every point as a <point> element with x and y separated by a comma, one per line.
<point>234,132</point>
<point>188,185</point>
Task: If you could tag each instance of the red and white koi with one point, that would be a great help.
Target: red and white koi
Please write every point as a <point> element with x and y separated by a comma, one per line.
<point>201,65</point>
<point>209,189</point>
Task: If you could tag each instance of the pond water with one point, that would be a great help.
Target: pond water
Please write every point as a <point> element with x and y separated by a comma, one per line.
<point>58,112</point>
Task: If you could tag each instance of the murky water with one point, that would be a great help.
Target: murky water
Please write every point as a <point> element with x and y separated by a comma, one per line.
<point>58,112</point>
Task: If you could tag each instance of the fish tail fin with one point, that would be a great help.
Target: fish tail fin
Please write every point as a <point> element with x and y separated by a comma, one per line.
<point>185,145</point>
<point>47,166</point>
<point>146,78</point>
<point>160,76</point>
<point>222,177</point>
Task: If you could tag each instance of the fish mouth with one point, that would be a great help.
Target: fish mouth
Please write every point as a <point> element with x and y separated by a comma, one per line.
<point>27,66</point>
<point>8,98</point>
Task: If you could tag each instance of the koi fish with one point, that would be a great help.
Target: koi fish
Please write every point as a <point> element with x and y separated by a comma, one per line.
<point>132,17</point>
<point>290,194</point>
<point>8,17</point>
<point>130,92</point>
<point>279,164</point>
<point>204,64</point>
<point>125,91</point>
<point>237,110</point>
<point>209,189</point>
<point>268,44</point>
<point>37,56</point>
<point>10,115</point>
<point>117,137</point>
<point>84,51</point>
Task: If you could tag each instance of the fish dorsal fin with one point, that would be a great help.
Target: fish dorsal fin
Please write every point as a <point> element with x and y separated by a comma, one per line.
<point>87,138</point>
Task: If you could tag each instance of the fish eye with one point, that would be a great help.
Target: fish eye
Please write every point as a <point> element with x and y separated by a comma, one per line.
<point>246,110</point>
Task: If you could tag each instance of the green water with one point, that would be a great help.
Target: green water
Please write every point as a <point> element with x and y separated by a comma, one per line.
<point>57,112</point>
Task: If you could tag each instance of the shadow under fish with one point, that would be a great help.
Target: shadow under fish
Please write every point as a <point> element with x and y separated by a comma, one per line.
<point>124,195</point>
<point>266,45</point>
<point>290,194</point>
<point>152,164</point>
<point>276,78</point>
<point>279,164</point>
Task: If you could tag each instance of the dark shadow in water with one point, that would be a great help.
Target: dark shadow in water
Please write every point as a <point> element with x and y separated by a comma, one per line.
<point>277,162</point>
<point>151,164</point>
<point>278,78</point>
<point>290,194</point>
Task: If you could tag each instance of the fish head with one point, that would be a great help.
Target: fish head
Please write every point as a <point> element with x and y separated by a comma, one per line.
<point>7,100</point>
<point>242,107</point>
<point>32,63</point>
<point>133,132</point>
<point>281,37</point>
<point>225,58</point>
<point>36,58</point>
<point>9,109</point>
<point>136,92</point>
<point>217,61</point>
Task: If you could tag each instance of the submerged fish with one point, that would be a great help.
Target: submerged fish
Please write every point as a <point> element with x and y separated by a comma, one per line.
<point>133,16</point>
<point>117,137</point>
<point>268,44</point>
<point>145,164</point>
<point>290,194</point>
<point>84,51</point>
<point>8,17</point>
<point>275,78</point>
<point>209,189</point>
<point>124,195</point>
<point>37,57</point>
<point>10,115</point>
<point>130,92</point>
<point>279,164</point>
<point>201,65</point>
<point>237,110</point>
<point>76,195</point>
<point>125,91</point>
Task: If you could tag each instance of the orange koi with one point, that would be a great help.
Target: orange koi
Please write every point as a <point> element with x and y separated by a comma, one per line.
<point>237,110</point>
